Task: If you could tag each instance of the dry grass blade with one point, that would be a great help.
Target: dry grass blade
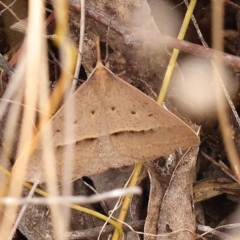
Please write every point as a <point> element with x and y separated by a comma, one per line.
<point>60,223</point>
<point>69,152</point>
<point>21,213</point>
<point>34,37</point>
<point>37,79</point>
<point>67,200</point>
<point>221,102</point>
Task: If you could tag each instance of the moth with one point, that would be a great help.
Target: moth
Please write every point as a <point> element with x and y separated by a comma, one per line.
<point>115,125</point>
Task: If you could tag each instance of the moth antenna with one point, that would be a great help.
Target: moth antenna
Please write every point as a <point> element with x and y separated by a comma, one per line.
<point>98,51</point>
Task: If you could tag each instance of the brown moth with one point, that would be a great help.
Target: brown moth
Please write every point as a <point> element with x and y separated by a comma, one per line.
<point>116,125</point>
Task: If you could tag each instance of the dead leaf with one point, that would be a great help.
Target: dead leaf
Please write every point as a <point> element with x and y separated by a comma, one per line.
<point>154,203</point>
<point>211,188</point>
<point>174,207</point>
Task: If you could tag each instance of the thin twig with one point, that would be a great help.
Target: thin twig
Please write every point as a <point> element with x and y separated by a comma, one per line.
<point>214,232</point>
<point>197,27</point>
<point>10,5</point>
<point>95,191</point>
<point>72,199</point>
<point>22,212</point>
<point>229,100</point>
<point>217,64</point>
<point>218,165</point>
<point>94,232</point>
<point>80,47</point>
<point>107,45</point>
<point>10,10</point>
<point>220,79</point>
<point>133,38</point>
